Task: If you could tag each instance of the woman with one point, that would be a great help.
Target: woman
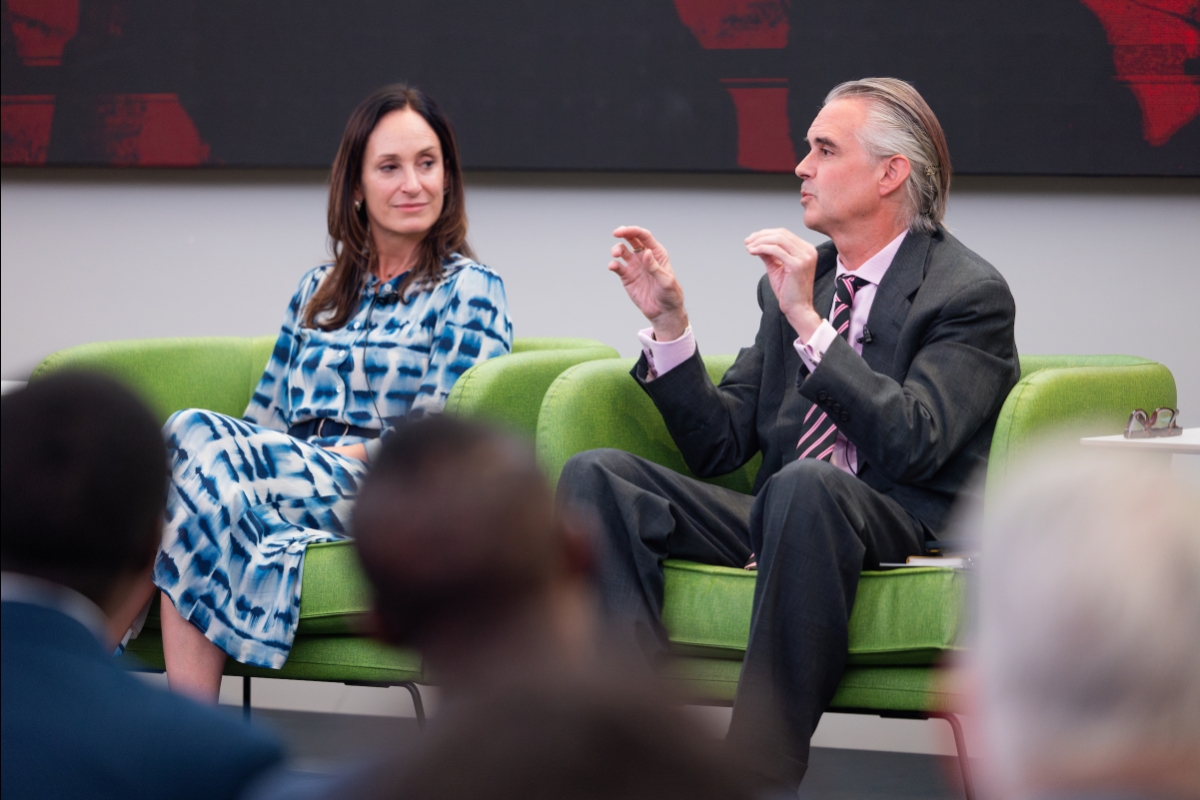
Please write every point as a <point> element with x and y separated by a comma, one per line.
<point>379,335</point>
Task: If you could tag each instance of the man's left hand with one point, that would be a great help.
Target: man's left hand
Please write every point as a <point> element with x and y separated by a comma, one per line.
<point>791,264</point>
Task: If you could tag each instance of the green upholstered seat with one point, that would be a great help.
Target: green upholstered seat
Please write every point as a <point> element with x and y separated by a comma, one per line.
<point>904,621</point>
<point>220,373</point>
<point>900,617</point>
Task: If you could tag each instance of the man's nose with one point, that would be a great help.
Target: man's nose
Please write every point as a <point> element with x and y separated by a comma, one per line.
<point>802,171</point>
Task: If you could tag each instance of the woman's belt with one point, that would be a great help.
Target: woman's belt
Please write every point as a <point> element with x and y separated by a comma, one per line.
<point>325,427</point>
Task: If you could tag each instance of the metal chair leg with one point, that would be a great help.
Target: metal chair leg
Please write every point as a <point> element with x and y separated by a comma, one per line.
<point>960,743</point>
<point>418,705</point>
<point>246,697</point>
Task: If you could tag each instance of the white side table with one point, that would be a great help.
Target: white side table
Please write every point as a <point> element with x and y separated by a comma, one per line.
<point>1187,442</point>
<point>1183,450</point>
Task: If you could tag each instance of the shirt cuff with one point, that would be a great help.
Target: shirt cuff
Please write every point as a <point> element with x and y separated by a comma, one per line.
<point>812,351</point>
<point>662,357</point>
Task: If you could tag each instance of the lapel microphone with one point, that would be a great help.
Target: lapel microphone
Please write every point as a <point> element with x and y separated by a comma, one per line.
<point>866,336</point>
<point>387,297</point>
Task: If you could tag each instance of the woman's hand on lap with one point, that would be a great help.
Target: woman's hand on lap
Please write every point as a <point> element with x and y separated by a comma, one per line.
<point>358,451</point>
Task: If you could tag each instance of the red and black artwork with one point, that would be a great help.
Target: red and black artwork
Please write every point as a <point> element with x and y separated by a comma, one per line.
<point>1050,87</point>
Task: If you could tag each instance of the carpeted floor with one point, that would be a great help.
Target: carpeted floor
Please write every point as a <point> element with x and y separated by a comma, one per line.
<point>330,742</point>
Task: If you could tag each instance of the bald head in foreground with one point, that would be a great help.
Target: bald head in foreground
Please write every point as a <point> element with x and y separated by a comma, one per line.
<point>1086,669</point>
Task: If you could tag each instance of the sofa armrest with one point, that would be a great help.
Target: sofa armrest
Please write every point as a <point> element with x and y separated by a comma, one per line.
<point>218,373</point>
<point>1067,397</point>
<point>509,389</point>
<point>598,404</point>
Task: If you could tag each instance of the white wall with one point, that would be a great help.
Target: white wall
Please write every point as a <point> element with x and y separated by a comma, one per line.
<point>93,255</point>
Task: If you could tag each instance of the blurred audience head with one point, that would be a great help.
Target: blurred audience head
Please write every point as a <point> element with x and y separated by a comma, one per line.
<point>457,532</point>
<point>1087,665</point>
<point>84,484</point>
<point>561,739</point>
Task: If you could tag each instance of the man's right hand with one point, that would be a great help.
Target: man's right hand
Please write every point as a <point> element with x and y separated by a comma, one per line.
<point>645,271</point>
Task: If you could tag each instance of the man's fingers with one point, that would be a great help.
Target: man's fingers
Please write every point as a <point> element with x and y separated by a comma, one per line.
<point>638,238</point>
<point>765,250</point>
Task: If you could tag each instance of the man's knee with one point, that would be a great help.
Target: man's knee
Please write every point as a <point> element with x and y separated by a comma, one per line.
<point>800,493</point>
<point>589,471</point>
<point>805,477</point>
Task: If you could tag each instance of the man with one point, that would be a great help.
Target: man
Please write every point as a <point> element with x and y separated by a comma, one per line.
<point>1086,665</point>
<point>872,388</point>
<point>456,530</point>
<point>84,487</point>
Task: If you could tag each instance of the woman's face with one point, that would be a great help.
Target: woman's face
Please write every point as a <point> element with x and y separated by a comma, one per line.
<point>403,177</point>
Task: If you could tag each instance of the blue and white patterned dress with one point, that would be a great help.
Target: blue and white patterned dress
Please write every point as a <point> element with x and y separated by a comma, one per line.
<point>246,498</point>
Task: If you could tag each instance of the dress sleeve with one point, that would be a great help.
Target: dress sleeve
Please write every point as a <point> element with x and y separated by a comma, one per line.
<point>269,403</point>
<point>471,327</point>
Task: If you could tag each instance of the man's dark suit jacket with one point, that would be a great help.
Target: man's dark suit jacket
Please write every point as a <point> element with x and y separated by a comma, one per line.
<point>77,725</point>
<point>920,404</point>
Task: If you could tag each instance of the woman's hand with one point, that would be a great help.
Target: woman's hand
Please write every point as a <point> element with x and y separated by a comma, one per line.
<point>791,265</point>
<point>358,451</point>
<point>645,272</point>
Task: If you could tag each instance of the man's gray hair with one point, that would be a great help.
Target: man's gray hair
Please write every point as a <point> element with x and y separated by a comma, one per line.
<point>900,122</point>
<point>1088,639</point>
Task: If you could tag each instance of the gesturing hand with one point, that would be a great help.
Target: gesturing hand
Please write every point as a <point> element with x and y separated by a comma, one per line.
<point>791,264</point>
<point>645,271</point>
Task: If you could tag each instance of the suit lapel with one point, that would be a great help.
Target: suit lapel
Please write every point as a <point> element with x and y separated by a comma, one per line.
<point>892,302</point>
<point>823,281</point>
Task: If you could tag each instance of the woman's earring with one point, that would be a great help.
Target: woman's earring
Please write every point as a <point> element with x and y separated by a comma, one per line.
<point>358,206</point>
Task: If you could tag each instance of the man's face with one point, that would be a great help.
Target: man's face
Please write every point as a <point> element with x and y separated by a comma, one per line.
<point>841,179</point>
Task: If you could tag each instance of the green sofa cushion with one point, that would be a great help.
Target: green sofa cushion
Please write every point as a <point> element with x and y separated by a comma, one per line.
<point>313,658</point>
<point>903,689</point>
<point>900,617</point>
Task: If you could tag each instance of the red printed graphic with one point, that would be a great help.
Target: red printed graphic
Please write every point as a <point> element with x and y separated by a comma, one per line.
<point>42,28</point>
<point>25,122</point>
<point>149,130</point>
<point>764,133</point>
<point>736,24</point>
<point>1152,40</point>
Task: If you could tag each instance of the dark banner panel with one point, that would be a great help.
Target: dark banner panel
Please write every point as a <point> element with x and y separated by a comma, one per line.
<point>1065,87</point>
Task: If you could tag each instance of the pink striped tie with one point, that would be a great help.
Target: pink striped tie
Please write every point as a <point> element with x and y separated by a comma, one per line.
<point>818,430</point>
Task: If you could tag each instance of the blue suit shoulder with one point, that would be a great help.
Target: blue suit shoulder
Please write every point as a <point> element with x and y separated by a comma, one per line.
<point>76,725</point>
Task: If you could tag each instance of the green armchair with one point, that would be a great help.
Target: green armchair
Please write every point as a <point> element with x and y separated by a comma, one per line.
<point>219,374</point>
<point>905,621</point>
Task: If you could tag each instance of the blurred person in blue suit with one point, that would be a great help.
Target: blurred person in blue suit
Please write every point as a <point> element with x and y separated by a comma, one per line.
<point>83,492</point>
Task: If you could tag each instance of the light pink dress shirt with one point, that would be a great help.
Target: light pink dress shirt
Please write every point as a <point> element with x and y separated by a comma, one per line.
<point>662,357</point>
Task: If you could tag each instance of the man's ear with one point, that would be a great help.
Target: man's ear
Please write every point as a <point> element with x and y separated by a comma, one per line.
<point>895,172</point>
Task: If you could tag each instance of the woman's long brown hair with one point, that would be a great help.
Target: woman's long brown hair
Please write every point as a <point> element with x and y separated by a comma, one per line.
<point>349,231</point>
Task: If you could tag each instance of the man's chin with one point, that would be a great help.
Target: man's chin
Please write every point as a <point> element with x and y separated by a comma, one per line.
<point>814,222</point>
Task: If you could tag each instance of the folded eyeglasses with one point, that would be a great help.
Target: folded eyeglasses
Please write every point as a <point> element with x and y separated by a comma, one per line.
<point>1160,422</point>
